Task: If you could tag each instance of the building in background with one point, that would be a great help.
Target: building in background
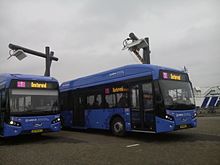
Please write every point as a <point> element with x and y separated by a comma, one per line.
<point>212,97</point>
<point>207,97</point>
<point>199,95</point>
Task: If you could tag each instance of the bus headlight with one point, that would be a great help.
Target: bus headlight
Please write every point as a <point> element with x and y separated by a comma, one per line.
<point>14,123</point>
<point>57,120</point>
<point>168,117</point>
<point>194,114</point>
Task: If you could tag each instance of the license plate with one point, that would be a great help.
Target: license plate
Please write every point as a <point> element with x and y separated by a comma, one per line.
<point>37,131</point>
<point>183,126</point>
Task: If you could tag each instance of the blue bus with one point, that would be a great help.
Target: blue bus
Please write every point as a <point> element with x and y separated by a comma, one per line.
<point>28,104</point>
<point>132,98</point>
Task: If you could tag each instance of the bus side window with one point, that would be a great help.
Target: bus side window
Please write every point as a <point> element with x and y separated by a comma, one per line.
<point>94,101</point>
<point>90,99</point>
<point>135,101</point>
<point>81,102</point>
<point>147,96</point>
<point>122,100</point>
<point>97,101</point>
<point>104,103</point>
<point>3,99</point>
<point>111,100</point>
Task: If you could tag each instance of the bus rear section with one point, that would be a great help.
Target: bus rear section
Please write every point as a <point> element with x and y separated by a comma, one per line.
<point>31,106</point>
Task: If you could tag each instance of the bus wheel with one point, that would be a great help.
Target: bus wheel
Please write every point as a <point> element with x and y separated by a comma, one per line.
<point>118,126</point>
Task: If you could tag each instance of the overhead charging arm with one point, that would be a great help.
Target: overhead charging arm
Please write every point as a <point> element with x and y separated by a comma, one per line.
<point>136,45</point>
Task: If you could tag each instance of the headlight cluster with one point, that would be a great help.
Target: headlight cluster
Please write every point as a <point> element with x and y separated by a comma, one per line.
<point>168,117</point>
<point>194,115</point>
<point>56,120</point>
<point>14,123</point>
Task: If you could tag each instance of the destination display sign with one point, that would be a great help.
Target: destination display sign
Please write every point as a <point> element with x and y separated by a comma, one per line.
<point>168,75</point>
<point>119,89</point>
<point>33,84</point>
<point>116,90</point>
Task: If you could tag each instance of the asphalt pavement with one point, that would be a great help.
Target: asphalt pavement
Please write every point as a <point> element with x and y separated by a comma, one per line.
<point>93,147</point>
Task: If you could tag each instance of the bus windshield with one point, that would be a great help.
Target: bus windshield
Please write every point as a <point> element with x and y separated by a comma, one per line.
<point>177,95</point>
<point>29,101</point>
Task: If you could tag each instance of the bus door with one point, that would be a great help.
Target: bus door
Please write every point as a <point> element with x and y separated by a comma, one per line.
<point>142,113</point>
<point>78,111</point>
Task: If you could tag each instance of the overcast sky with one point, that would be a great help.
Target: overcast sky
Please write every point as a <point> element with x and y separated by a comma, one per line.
<point>87,35</point>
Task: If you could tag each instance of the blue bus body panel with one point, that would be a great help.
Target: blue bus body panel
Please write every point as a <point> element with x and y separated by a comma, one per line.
<point>163,125</point>
<point>98,118</point>
<point>180,118</point>
<point>115,75</point>
<point>31,123</point>
<point>101,118</point>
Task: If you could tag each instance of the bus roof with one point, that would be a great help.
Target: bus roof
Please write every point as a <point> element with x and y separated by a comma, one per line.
<point>115,75</point>
<point>6,78</point>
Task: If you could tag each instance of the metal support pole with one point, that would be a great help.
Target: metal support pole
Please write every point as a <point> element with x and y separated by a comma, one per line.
<point>146,53</point>
<point>47,70</point>
<point>51,55</point>
<point>48,63</point>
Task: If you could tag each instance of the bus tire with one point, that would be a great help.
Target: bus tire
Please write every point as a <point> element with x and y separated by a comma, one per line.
<point>118,126</point>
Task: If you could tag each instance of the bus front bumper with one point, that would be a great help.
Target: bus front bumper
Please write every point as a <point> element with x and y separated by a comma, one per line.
<point>163,125</point>
<point>10,130</point>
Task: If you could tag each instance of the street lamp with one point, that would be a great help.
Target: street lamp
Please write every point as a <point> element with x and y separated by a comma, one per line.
<point>19,53</point>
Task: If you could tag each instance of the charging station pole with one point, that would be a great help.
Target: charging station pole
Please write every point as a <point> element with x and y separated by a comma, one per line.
<point>146,52</point>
